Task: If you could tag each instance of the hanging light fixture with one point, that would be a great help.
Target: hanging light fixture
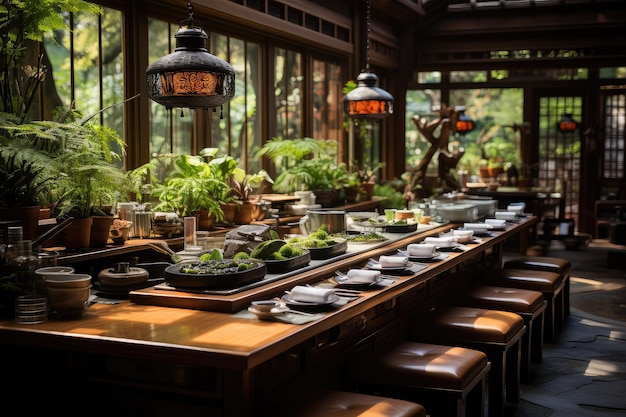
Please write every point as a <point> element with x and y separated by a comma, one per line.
<point>190,76</point>
<point>367,100</point>
<point>567,123</point>
<point>464,123</point>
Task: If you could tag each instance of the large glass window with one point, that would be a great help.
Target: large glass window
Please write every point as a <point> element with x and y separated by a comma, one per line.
<point>495,140</point>
<point>288,89</point>
<point>236,130</point>
<point>86,65</point>
<point>327,99</point>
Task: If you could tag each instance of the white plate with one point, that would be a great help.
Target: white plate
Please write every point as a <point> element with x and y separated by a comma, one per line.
<point>418,258</point>
<point>290,301</point>
<point>378,267</point>
<point>356,283</point>
<point>273,312</point>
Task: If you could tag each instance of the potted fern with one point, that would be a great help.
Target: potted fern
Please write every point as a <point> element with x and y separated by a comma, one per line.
<point>307,164</point>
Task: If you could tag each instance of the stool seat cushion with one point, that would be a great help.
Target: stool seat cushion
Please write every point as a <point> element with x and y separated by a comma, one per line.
<point>330,403</point>
<point>540,263</point>
<point>503,298</point>
<point>530,279</point>
<point>413,364</point>
<point>467,324</point>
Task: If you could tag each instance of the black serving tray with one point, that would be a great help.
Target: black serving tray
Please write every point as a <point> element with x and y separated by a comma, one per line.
<point>401,228</point>
<point>180,280</point>
<point>279,267</point>
<point>329,251</point>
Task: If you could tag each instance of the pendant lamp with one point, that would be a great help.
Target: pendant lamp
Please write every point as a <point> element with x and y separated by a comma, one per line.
<point>367,100</point>
<point>190,76</point>
<point>567,123</point>
<point>464,123</point>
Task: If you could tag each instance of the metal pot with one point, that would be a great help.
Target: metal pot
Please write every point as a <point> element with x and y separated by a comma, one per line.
<point>333,221</point>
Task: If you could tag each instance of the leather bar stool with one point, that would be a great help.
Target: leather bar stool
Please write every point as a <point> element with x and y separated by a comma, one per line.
<point>330,403</point>
<point>550,264</point>
<point>530,305</point>
<point>496,333</point>
<point>548,283</point>
<point>446,380</point>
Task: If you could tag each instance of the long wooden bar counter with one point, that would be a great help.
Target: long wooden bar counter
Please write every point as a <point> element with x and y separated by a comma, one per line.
<point>163,360</point>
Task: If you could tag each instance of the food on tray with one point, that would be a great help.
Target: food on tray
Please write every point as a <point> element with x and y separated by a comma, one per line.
<point>218,267</point>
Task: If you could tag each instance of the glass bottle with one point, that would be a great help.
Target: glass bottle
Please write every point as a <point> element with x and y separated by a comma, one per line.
<point>24,266</point>
<point>14,235</point>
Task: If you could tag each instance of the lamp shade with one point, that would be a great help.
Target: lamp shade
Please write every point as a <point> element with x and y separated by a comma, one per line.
<point>367,100</point>
<point>190,76</point>
<point>567,123</point>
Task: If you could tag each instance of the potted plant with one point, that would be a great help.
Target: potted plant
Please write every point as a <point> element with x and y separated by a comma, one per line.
<point>307,164</point>
<point>242,191</point>
<point>26,175</point>
<point>190,185</point>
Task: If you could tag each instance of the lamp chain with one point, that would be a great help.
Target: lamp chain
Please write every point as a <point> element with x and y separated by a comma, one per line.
<point>367,44</point>
<point>190,11</point>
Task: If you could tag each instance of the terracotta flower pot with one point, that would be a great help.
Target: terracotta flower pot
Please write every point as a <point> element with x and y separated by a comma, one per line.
<point>244,213</point>
<point>100,229</point>
<point>78,234</point>
<point>29,216</point>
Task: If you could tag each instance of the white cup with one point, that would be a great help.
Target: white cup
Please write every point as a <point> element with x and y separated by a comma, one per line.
<point>421,249</point>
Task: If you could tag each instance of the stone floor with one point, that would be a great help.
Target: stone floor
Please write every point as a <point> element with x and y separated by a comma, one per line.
<point>584,372</point>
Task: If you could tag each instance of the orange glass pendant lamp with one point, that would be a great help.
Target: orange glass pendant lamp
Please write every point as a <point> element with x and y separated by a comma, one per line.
<point>567,123</point>
<point>190,76</point>
<point>464,123</point>
<point>367,100</point>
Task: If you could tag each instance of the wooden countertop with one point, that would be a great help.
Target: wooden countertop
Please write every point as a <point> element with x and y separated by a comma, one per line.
<point>220,339</point>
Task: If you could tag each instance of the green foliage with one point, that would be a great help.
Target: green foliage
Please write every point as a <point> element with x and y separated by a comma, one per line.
<point>392,197</point>
<point>24,22</point>
<point>190,187</point>
<point>27,174</point>
<point>74,161</point>
<point>305,163</point>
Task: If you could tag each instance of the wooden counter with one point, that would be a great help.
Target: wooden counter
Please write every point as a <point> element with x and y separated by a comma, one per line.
<point>192,362</point>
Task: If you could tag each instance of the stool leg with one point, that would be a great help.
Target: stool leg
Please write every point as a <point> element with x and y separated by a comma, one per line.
<point>497,381</point>
<point>513,356</point>
<point>475,400</point>
<point>559,308</point>
<point>536,347</point>
<point>549,330</point>
<point>566,297</point>
<point>527,340</point>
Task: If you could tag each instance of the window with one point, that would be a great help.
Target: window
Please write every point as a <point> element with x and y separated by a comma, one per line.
<point>86,65</point>
<point>288,89</point>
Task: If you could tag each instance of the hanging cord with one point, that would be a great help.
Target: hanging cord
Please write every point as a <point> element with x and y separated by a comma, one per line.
<point>367,38</point>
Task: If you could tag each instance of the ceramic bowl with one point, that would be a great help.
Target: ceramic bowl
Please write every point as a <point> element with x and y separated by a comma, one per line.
<point>68,281</point>
<point>68,300</point>
<point>265,306</point>
<point>52,271</point>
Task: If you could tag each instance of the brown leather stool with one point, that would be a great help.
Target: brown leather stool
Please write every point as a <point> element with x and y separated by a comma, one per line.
<point>443,378</point>
<point>496,333</point>
<point>530,305</point>
<point>330,403</point>
<point>548,283</point>
<point>550,264</point>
